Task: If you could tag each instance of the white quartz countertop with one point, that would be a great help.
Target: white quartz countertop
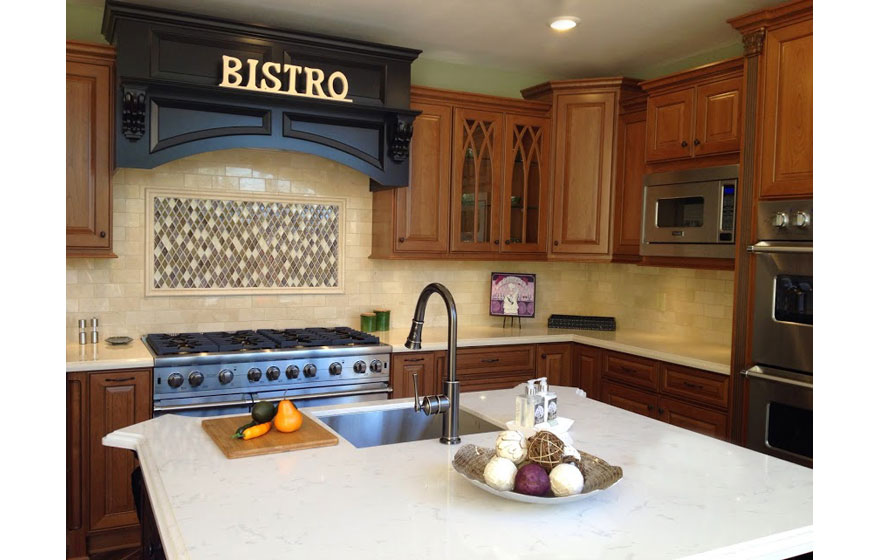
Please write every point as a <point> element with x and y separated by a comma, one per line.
<point>663,347</point>
<point>683,495</point>
<point>104,356</point>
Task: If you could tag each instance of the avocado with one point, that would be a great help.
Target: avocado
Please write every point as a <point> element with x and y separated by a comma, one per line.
<point>263,412</point>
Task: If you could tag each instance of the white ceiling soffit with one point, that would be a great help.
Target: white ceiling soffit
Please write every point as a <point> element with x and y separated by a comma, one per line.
<point>615,37</point>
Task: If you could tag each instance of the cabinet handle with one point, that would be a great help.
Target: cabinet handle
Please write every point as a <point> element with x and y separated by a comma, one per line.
<point>696,141</point>
<point>401,239</point>
<point>122,380</point>
<point>628,370</point>
<point>507,242</point>
<point>651,407</point>
<point>556,243</point>
<point>660,411</point>
<point>413,359</point>
<point>103,234</point>
<point>490,360</point>
<point>692,385</point>
<point>684,143</point>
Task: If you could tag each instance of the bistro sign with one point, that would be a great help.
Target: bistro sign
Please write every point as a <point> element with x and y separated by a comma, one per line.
<point>273,77</point>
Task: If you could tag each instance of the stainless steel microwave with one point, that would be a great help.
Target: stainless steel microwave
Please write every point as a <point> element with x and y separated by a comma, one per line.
<point>690,213</point>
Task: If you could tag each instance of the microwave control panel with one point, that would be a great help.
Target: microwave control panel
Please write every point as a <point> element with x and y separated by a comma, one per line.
<point>728,211</point>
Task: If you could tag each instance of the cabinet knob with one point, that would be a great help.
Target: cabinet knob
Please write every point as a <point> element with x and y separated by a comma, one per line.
<point>543,356</point>
<point>696,141</point>
<point>684,143</point>
<point>556,243</point>
<point>497,242</point>
<point>507,242</point>
<point>103,234</point>
<point>660,410</point>
<point>401,239</point>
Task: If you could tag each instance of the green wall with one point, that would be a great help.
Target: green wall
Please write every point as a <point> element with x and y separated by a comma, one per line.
<point>84,24</point>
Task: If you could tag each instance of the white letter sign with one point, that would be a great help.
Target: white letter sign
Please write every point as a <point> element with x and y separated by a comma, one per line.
<point>269,77</point>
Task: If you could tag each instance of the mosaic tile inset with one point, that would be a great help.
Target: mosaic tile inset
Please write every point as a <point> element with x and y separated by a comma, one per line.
<point>222,244</point>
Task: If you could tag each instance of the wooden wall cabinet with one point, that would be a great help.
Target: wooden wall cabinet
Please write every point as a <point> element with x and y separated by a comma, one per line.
<point>695,113</point>
<point>90,98</point>
<point>629,184</point>
<point>479,181</point>
<point>101,513</point>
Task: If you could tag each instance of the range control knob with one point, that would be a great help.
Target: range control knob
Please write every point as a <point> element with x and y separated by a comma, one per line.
<point>225,376</point>
<point>335,368</point>
<point>254,374</point>
<point>779,220</point>
<point>273,373</point>
<point>801,219</point>
<point>292,372</point>
<point>360,366</point>
<point>175,380</point>
<point>376,366</point>
<point>310,370</point>
<point>196,378</point>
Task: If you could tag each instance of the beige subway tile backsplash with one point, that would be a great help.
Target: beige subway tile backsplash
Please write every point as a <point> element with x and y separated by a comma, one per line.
<point>694,303</point>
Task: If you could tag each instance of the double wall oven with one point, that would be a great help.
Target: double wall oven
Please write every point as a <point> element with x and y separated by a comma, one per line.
<point>780,383</point>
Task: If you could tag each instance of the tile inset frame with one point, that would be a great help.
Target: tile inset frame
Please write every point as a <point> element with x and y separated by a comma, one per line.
<point>151,194</point>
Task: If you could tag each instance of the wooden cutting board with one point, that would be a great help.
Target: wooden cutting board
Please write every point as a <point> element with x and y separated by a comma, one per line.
<point>310,435</point>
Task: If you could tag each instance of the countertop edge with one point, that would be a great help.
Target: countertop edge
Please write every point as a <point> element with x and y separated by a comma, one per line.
<point>788,543</point>
<point>101,365</point>
<point>169,531</point>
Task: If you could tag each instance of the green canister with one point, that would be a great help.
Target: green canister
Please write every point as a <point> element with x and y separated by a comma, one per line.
<point>368,322</point>
<point>383,319</point>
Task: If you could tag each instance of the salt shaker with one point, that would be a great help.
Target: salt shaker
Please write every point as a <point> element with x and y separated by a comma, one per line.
<point>82,331</point>
<point>94,330</point>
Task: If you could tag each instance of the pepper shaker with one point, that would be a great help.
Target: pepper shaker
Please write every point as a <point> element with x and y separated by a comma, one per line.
<point>94,330</point>
<point>82,331</point>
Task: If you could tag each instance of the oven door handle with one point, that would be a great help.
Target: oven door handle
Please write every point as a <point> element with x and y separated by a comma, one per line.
<point>756,371</point>
<point>771,247</point>
<point>170,407</point>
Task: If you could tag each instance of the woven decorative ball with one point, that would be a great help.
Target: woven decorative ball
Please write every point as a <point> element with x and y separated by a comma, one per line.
<point>546,449</point>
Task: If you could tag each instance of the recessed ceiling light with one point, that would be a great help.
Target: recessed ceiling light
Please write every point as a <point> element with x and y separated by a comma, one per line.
<point>564,23</point>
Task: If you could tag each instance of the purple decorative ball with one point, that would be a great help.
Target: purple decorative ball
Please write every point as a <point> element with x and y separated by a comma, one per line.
<point>532,479</point>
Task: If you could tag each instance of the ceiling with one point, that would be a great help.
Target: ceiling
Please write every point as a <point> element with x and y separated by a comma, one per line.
<point>615,37</point>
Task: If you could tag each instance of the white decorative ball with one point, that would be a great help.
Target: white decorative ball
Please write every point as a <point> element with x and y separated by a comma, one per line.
<point>511,444</point>
<point>500,473</point>
<point>566,480</point>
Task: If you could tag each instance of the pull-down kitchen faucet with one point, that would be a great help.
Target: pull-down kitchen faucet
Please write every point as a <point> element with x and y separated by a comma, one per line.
<point>447,403</point>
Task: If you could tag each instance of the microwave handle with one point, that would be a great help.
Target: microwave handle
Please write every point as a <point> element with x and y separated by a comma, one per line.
<point>770,247</point>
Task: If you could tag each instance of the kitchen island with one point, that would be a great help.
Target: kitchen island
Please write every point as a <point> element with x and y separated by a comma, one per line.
<point>682,495</point>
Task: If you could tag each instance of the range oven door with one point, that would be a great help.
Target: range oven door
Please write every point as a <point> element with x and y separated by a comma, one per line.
<point>782,319</point>
<point>241,403</point>
<point>780,414</point>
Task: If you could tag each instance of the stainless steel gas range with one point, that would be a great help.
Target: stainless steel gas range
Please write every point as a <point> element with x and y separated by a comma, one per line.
<point>215,373</point>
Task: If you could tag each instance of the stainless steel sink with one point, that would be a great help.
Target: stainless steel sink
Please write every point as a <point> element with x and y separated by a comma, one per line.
<point>397,425</point>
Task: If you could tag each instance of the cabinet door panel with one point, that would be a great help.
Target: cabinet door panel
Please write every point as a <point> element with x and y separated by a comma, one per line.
<point>88,156</point>
<point>694,418</point>
<point>478,143</point>
<point>630,185</point>
<point>402,368</point>
<point>787,125</point>
<point>584,140</point>
<point>77,463</point>
<point>718,117</point>
<point>116,400</point>
<point>670,125</point>
<point>633,400</point>
<point>554,363</point>
<point>526,184</point>
<point>585,369</point>
<point>421,211</point>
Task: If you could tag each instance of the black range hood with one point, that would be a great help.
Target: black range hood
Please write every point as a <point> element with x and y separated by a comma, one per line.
<point>190,83</point>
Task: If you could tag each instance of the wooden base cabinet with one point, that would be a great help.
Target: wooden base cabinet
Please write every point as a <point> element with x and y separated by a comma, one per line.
<point>554,363</point>
<point>404,366</point>
<point>101,513</point>
<point>89,112</point>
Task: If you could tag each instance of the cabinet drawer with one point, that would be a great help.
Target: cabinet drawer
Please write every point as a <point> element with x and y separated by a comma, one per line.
<point>633,400</point>
<point>701,386</point>
<point>496,359</point>
<point>492,382</point>
<point>630,369</point>
<point>694,418</point>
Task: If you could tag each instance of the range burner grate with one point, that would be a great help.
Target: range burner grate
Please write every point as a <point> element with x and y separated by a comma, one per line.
<point>237,341</point>
<point>311,337</point>
<point>182,343</point>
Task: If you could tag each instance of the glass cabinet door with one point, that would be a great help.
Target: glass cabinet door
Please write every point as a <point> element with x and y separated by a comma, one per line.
<point>477,147</point>
<point>524,221</point>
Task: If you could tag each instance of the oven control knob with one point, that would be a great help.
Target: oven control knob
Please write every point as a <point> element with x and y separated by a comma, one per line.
<point>310,370</point>
<point>175,380</point>
<point>780,220</point>
<point>801,219</point>
<point>196,378</point>
<point>360,366</point>
<point>225,376</point>
<point>254,374</point>
<point>273,373</point>
<point>335,368</point>
<point>376,366</point>
<point>292,372</point>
